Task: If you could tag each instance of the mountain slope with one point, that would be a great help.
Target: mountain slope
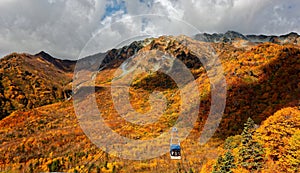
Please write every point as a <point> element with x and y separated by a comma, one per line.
<point>29,81</point>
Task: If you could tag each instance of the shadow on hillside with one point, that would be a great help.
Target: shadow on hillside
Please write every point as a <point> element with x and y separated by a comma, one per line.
<point>84,91</point>
<point>278,88</point>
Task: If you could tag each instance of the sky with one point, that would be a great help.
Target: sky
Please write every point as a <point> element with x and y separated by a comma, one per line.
<point>70,29</point>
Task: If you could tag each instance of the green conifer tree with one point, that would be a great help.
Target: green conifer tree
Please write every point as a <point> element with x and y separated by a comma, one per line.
<point>224,163</point>
<point>251,154</point>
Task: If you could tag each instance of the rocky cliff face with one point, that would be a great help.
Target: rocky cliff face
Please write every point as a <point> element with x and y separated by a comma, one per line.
<point>115,57</point>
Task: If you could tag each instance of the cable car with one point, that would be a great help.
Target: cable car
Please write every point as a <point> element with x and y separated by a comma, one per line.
<point>175,150</point>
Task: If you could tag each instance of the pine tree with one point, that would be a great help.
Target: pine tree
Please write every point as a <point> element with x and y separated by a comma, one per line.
<point>224,164</point>
<point>250,152</point>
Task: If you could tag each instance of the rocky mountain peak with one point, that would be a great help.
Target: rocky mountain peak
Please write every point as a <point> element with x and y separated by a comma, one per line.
<point>65,65</point>
<point>231,36</point>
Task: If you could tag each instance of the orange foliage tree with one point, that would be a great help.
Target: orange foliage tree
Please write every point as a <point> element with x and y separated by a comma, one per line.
<point>280,136</point>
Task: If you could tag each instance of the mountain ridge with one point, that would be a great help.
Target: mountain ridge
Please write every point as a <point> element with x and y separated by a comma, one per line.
<point>65,65</point>
<point>230,36</point>
<point>227,37</point>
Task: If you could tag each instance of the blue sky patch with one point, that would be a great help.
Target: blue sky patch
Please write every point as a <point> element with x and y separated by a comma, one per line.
<point>113,6</point>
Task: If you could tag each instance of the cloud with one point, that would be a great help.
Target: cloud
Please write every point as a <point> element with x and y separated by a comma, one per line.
<point>63,27</point>
<point>60,27</point>
<point>246,16</point>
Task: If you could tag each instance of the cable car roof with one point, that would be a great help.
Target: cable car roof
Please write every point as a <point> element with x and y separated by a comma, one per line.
<point>175,147</point>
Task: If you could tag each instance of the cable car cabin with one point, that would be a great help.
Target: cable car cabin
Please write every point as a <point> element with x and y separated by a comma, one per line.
<point>175,151</point>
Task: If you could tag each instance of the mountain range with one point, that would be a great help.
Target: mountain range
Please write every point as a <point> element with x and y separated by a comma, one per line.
<point>39,130</point>
<point>232,36</point>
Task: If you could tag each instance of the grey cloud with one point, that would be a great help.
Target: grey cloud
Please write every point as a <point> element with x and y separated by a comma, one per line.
<point>63,27</point>
<point>59,27</point>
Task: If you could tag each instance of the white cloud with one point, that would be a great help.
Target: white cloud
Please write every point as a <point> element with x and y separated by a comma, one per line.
<point>172,9</point>
<point>62,27</point>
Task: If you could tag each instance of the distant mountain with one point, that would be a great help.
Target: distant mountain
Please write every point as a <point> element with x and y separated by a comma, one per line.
<point>64,65</point>
<point>231,36</point>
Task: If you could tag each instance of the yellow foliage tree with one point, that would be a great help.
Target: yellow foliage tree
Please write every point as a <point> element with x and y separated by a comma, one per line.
<point>280,136</point>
